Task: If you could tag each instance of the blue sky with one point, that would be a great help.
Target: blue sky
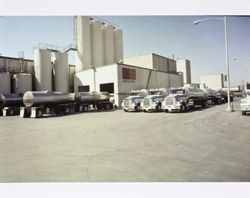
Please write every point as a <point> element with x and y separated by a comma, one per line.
<point>202,44</point>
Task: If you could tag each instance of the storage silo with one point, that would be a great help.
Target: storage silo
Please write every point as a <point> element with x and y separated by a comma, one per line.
<point>83,42</point>
<point>22,82</point>
<point>118,44</point>
<point>108,40</point>
<point>97,43</point>
<point>43,69</point>
<point>5,83</point>
<point>61,73</point>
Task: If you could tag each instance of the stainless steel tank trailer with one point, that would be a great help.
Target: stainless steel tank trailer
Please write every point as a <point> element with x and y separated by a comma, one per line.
<point>38,103</point>
<point>10,104</point>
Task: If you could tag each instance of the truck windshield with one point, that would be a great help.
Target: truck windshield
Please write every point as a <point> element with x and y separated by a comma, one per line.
<point>177,91</point>
<point>134,93</point>
<point>248,86</point>
<point>155,93</point>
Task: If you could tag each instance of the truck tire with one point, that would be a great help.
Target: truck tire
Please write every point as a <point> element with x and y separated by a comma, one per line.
<point>11,112</point>
<point>66,110</point>
<point>39,113</point>
<point>158,108</point>
<point>204,104</point>
<point>183,108</point>
<point>137,108</point>
<point>125,110</point>
<point>244,112</point>
<point>107,106</point>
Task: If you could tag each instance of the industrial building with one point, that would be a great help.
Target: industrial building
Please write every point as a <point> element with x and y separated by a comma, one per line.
<point>99,66</point>
<point>212,81</point>
<point>120,78</point>
<point>183,65</point>
<point>17,75</point>
<point>153,61</point>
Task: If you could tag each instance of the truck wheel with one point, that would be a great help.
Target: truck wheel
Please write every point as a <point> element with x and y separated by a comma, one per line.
<point>137,108</point>
<point>107,106</point>
<point>158,108</point>
<point>183,108</point>
<point>204,104</point>
<point>66,110</point>
<point>11,112</point>
<point>39,113</point>
<point>244,112</point>
<point>125,110</point>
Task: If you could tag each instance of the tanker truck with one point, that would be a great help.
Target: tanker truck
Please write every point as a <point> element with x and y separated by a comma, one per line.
<point>133,101</point>
<point>10,104</point>
<point>245,101</point>
<point>181,99</point>
<point>38,103</point>
<point>153,102</point>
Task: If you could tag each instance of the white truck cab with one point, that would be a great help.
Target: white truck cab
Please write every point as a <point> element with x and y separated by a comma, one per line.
<point>133,101</point>
<point>153,102</point>
<point>245,101</point>
<point>180,99</point>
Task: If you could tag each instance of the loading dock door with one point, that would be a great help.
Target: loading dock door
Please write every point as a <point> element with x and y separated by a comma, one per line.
<point>109,87</point>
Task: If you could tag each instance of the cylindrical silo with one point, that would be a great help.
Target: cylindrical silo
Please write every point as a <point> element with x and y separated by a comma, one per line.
<point>83,42</point>
<point>5,83</point>
<point>71,78</point>
<point>118,44</point>
<point>108,39</point>
<point>22,82</point>
<point>97,43</point>
<point>43,70</point>
<point>61,73</point>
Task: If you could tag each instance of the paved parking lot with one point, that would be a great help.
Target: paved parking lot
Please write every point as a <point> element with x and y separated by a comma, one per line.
<point>203,145</point>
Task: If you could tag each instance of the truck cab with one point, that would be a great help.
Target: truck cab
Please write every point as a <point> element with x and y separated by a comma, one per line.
<point>133,101</point>
<point>153,102</point>
<point>245,101</point>
<point>181,99</point>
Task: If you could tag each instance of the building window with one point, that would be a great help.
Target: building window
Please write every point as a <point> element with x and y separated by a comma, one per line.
<point>128,74</point>
<point>84,88</point>
<point>108,87</point>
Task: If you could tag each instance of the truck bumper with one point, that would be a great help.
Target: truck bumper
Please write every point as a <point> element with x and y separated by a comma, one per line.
<point>245,107</point>
<point>171,108</point>
<point>129,108</point>
<point>149,107</point>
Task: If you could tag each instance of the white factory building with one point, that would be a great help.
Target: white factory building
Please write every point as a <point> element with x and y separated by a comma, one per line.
<point>183,65</point>
<point>215,81</point>
<point>119,79</point>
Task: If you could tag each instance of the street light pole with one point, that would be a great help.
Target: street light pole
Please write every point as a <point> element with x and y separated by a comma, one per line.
<point>229,108</point>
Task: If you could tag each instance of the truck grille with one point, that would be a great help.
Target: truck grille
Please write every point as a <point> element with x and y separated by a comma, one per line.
<point>169,101</point>
<point>146,101</point>
<point>126,102</point>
